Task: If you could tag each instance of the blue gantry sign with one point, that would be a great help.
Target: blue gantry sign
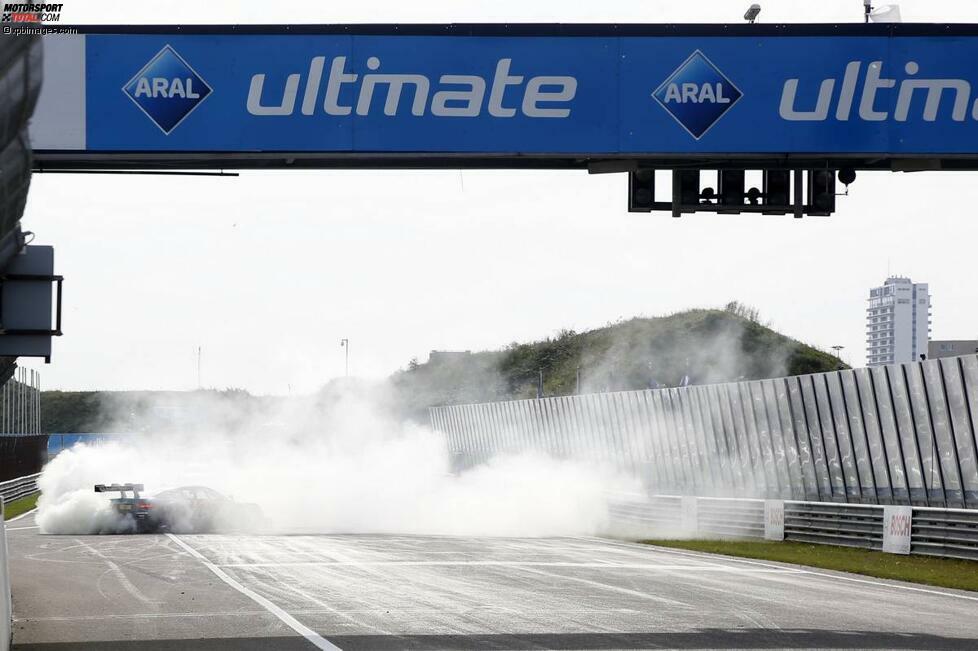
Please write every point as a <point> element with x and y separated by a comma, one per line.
<point>511,94</point>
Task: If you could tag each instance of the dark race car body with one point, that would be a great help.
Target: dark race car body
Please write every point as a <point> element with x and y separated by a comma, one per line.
<point>188,509</point>
<point>131,507</point>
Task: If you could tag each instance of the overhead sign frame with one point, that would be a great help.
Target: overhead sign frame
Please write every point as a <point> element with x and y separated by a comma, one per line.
<point>601,97</point>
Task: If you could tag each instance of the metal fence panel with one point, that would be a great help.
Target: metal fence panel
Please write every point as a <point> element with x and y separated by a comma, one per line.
<point>629,458</point>
<point>789,440</point>
<point>764,438</point>
<point>666,478</point>
<point>936,406</point>
<point>962,428</point>
<point>830,442</point>
<point>969,378</point>
<point>703,473</point>
<point>887,482</point>
<point>843,437</point>
<point>583,422</point>
<point>770,393</point>
<point>900,434</point>
<point>552,446</point>
<point>806,460</point>
<point>565,427</point>
<point>716,443</point>
<point>668,435</point>
<point>852,407</point>
<point>755,470</point>
<point>729,464</point>
<point>815,436</point>
<point>635,433</point>
<point>930,454</point>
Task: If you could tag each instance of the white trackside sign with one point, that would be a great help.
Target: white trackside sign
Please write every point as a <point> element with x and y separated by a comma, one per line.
<point>774,519</point>
<point>896,529</point>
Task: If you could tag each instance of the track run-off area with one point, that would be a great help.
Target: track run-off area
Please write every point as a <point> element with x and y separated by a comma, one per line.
<point>210,592</point>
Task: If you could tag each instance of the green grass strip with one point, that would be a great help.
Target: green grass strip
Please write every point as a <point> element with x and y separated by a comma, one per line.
<point>17,507</point>
<point>942,572</point>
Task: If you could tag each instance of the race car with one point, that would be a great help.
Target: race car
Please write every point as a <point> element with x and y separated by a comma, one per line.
<point>187,509</point>
<point>135,511</point>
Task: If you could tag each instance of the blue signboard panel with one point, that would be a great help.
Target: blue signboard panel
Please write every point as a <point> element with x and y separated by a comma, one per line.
<point>499,94</point>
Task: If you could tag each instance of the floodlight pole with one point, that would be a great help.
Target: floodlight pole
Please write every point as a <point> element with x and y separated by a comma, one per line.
<point>838,353</point>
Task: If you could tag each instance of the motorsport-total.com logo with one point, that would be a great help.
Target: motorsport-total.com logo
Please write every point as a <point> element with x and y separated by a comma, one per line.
<point>30,12</point>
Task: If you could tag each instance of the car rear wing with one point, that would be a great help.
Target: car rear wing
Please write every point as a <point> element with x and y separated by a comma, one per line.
<point>118,488</point>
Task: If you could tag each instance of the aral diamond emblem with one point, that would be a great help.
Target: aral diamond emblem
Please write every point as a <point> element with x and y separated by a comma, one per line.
<point>697,94</point>
<point>167,89</point>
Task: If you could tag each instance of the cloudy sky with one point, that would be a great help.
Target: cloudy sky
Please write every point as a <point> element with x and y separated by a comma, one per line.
<point>266,272</point>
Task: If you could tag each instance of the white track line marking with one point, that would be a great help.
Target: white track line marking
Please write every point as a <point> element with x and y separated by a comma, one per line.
<point>118,573</point>
<point>22,515</point>
<point>329,611</point>
<point>609,587</point>
<point>692,554</point>
<point>629,566</point>
<point>22,528</point>
<point>312,636</point>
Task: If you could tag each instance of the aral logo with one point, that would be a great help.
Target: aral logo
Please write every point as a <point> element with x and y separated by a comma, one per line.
<point>697,94</point>
<point>167,89</point>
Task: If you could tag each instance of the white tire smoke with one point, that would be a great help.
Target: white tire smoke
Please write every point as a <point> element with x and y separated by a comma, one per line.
<point>349,470</point>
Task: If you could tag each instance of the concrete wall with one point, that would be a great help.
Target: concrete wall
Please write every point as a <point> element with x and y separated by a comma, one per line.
<point>6,606</point>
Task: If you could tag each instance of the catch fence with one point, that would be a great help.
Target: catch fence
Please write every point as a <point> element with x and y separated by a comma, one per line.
<point>21,442</point>
<point>897,434</point>
<point>20,403</point>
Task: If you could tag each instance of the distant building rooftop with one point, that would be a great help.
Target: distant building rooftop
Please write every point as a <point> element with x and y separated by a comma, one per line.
<point>951,348</point>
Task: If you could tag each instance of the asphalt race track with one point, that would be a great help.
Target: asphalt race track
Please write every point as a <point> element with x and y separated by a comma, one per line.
<point>169,593</point>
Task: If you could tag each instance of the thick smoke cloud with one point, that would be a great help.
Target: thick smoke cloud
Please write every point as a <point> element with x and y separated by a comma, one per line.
<point>340,465</point>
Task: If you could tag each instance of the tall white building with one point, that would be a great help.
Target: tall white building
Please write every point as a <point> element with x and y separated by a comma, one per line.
<point>897,322</point>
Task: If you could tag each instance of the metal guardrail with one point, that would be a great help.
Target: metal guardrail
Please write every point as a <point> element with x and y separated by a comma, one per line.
<point>14,489</point>
<point>733,518</point>
<point>834,524</point>
<point>951,533</point>
<point>948,533</point>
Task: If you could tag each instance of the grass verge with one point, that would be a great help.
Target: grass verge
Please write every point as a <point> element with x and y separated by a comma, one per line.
<point>942,572</point>
<point>23,505</point>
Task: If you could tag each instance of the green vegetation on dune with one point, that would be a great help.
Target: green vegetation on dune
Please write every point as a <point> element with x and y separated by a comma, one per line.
<point>943,572</point>
<point>18,507</point>
<point>708,345</point>
<point>72,411</point>
<point>130,411</point>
